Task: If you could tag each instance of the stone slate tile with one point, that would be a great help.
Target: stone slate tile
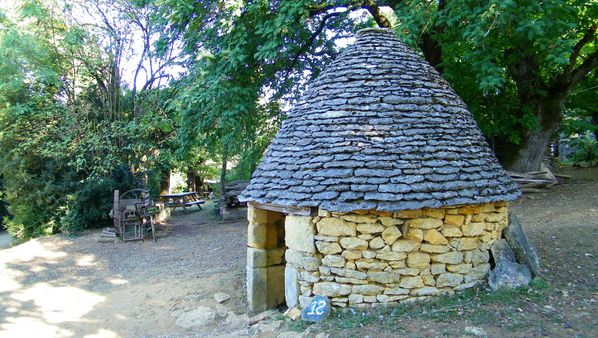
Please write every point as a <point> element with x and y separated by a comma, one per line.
<point>379,128</point>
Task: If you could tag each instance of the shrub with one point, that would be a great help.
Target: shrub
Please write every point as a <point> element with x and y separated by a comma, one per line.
<point>90,204</point>
<point>587,150</point>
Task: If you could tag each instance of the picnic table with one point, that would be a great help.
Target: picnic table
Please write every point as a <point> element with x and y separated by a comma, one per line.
<point>182,199</point>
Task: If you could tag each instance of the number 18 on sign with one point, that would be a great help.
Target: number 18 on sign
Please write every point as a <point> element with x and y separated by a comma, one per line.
<point>317,310</point>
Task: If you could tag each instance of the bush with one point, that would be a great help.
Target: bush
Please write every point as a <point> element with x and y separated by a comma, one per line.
<point>90,204</point>
<point>587,150</point>
<point>35,196</point>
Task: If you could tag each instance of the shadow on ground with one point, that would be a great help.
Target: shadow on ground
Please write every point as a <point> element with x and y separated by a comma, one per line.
<point>58,287</point>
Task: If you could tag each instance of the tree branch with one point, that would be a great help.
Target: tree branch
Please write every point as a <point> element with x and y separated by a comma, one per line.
<point>317,10</point>
<point>590,63</point>
<point>374,10</point>
<point>309,42</point>
<point>587,37</point>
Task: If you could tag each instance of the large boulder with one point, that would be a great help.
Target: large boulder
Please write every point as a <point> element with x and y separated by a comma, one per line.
<point>502,252</point>
<point>507,272</point>
<point>524,250</point>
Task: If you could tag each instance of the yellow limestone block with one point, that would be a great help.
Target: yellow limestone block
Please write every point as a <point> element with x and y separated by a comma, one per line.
<point>468,243</point>
<point>449,231</point>
<point>414,234</point>
<point>405,245</point>
<point>418,260</point>
<point>391,234</point>
<point>471,209</point>
<point>431,248</point>
<point>359,218</point>
<point>388,221</point>
<point>409,213</point>
<point>432,236</point>
<point>425,223</point>
<point>456,220</point>
<point>332,226</point>
<point>435,213</point>
<point>299,233</point>
<point>473,229</point>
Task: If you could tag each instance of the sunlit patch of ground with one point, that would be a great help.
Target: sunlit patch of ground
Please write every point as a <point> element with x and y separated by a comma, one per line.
<point>59,287</point>
<point>21,254</point>
<point>40,309</point>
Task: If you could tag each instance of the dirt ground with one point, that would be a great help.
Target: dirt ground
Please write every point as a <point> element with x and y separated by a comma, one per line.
<point>563,224</point>
<point>61,287</point>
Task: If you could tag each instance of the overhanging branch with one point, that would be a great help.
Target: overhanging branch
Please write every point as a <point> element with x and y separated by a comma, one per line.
<point>309,42</point>
<point>587,37</point>
<point>374,9</point>
<point>590,63</point>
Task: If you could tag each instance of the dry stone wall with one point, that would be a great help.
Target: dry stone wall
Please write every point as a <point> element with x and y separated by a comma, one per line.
<point>364,258</point>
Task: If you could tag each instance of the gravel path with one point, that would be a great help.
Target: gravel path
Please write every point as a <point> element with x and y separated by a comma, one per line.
<point>59,287</point>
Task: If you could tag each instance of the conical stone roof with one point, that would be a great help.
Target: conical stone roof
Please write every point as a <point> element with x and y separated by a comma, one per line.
<point>379,129</point>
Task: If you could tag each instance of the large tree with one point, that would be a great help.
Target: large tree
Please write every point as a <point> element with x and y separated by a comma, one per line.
<point>71,130</point>
<point>513,62</point>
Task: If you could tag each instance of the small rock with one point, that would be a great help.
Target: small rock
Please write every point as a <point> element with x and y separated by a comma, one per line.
<point>317,310</point>
<point>265,327</point>
<point>234,334</point>
<point>260,316</point>
<point>476,331</point>
<point>176,313</point>
<point>331,289</point>
<point>221,297</point>
<point>293,313</point>
<point>290,334</point>
<point>201,316</point>
<point>234,321</point>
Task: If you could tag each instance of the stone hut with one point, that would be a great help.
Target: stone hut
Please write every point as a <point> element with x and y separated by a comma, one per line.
<point>378,188</point>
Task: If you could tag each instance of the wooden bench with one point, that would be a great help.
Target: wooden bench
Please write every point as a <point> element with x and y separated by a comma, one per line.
<point>183,199</point>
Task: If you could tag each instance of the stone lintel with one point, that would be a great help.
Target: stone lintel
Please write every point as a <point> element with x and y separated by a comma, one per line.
<point>300,211</point>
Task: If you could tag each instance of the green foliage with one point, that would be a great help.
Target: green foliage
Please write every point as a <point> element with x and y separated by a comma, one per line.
<point>30,118</point>
<point>68,120</point>
<point>505,58</point>
<point>251,53</point>
<point>587,150</point>
<point>66,137</point>
<point>87,206</point>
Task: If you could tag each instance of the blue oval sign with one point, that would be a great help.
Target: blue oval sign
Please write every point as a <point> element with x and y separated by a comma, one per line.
<point>317,310</point>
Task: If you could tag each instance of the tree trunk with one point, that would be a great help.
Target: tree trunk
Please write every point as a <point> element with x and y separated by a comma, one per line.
<point>191,184</point>
<point>531,155</point>
<point>223,210</point>
<point>199,186</point>
<point>430,46</point>
<point>165,183</point>
<point>536,142</point>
